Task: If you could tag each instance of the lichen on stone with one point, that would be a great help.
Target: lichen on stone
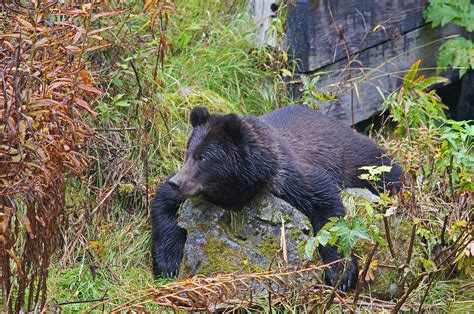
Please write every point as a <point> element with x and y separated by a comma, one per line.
<point>220,240</point>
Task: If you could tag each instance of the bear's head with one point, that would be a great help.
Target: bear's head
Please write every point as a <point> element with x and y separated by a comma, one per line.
<point>227,160</point>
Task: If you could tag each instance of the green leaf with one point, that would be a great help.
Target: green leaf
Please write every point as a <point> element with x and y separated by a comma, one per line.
<point>122,103</point>
<point>428,265</point>
<point>369,209</point>
<point>350,232</point>
<point>441,12</point>
<point>457,53</point>
<point>430,81</point>
<point>323,237</point>
<point>310,247</point>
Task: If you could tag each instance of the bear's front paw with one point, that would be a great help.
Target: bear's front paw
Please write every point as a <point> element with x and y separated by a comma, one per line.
<point>349,279</point>
<point>165,270</point>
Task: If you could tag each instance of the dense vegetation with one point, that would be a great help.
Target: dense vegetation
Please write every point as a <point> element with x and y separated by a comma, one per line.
<point>105,96</point>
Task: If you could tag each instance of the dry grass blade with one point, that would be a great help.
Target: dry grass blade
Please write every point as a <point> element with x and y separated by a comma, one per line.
<point>226,291</point>
<point>229,292</point>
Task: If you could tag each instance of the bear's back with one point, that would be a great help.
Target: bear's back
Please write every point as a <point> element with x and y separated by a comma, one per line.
<point>313,137</point>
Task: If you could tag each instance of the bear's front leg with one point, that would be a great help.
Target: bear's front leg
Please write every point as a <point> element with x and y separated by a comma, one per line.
<point>315,193</point>
<point>168,238</point>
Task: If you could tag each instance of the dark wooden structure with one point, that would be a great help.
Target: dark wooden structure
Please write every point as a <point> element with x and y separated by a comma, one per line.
<point>362,49</point>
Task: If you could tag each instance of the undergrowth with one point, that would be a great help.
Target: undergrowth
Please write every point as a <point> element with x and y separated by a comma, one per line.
<point>215,61</point>
<point>205,52</point>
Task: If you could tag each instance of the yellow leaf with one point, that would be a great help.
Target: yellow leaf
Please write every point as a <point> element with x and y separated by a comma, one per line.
<point>16,259</point>
<point>148,4</point>
<point>374,264</point>
<point>377,27</point>
<point>285,73</point>
<point>22,130</point>
<point>24,220</point>
<point>461,223</point>
<point>410,76</point>
<point>25,23</point>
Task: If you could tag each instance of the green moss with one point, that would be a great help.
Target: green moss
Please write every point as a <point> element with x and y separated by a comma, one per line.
<point>269,247</point>
<point>380,286</point>
<point>296,233</point>
<point>221,258</point>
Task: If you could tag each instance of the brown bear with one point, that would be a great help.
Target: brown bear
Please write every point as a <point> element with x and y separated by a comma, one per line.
<point>295,153</point>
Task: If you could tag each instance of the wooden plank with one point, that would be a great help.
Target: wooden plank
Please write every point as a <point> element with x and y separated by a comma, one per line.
<point>312,27</point>
<point>263,13</point>
<point>382,66</point>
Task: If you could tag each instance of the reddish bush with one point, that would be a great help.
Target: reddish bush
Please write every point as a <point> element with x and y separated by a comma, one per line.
<point>46,92</point>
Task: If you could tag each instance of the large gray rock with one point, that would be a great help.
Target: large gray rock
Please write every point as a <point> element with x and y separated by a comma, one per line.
<point>249,240</point>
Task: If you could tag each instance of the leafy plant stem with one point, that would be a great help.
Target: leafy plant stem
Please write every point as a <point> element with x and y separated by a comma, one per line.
<point>443,230</point>
<point>410,246</point>
<point>330,298</point>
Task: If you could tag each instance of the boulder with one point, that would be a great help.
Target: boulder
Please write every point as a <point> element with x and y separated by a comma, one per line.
<point>244,241</point>
<point>250,240</point>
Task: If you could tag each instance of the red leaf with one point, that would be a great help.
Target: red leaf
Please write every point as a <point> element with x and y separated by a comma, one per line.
<point>98,47</point>
<point>90,88</point>
<point>109,13</point>
<point>100,30</point>
<point>83,104</point>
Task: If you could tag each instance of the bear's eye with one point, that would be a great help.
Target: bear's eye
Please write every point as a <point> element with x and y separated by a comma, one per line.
<point>200,157</point>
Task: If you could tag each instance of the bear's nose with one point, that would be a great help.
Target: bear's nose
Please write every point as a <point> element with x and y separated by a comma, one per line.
<point>175,184</point>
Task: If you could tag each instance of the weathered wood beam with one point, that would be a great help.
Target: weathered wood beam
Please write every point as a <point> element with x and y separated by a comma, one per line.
<point>321,32</point>
<point>359,83</point>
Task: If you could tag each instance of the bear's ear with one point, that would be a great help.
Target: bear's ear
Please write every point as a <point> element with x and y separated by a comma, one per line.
<point>199,115</point>
<point>232,126</point>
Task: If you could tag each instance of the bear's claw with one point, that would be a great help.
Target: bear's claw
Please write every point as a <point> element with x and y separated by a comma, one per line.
<point>349,279</point>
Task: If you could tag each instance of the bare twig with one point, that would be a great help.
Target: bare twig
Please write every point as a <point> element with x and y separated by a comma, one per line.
<point>410,246</point>
<point>82,301</point>
<point>364,273</point>
<point>137,77</point>
<point>389,237</point>
<point>430,283</point>
<point>202,293</point>
<point>443,230</point>
<point>408,292</point>
<point>115,129</point>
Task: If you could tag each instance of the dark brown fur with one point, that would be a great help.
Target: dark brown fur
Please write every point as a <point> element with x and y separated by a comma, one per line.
<point>295,153</point>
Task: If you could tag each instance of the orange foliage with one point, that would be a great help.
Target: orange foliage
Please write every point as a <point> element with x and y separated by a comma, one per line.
<point>46,96</point>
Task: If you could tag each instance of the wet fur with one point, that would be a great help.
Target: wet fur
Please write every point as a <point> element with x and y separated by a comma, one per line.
<point>297,154</point>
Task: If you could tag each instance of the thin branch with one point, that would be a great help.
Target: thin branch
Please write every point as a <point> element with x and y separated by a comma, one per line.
<point>407,293</point>
<point>82,301</point>
<point>443,230</point>
<point>137,77</point>
<point>389,237</point>
<point>364,273</point>
<point>430,283</point>
<point>410,247</point>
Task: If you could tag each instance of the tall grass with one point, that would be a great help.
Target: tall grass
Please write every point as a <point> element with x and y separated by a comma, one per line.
<point>215,62</point>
